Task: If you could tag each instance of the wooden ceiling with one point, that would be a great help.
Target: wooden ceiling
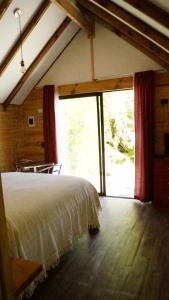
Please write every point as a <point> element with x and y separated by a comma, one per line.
<point>115,15</point>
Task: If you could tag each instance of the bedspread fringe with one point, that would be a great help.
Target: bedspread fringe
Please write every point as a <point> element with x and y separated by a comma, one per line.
<point>44,274</point>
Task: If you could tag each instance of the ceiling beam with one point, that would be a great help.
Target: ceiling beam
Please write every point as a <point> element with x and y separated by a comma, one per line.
<point>38,15</point>
<point>133,37</point>
<point>37,60</point>
<point>121,83</point>
<point>74,13</point>
<point>133,21</point>
<point>3,7</point>
<point>151,10</point>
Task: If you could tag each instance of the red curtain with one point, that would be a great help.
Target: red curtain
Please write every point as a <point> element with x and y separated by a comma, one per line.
<point>49,124</point>
<point>144,99</point>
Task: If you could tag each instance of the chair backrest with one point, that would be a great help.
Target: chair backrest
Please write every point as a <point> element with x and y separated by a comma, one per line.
<point>39,167</point>
<point>46,169</point>
<point>57,169</point>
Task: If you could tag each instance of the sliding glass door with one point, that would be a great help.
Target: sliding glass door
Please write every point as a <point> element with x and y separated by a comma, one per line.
<point>78,138</point>
<point>95,136</point>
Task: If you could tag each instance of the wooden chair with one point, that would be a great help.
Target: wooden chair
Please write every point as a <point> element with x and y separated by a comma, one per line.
<point>49,168</point>
<point>57,169</point>
<point>39,167</point>
<point>46,168</point>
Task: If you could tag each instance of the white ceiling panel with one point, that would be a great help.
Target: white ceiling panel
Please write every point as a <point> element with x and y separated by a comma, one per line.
<point>52,54</point>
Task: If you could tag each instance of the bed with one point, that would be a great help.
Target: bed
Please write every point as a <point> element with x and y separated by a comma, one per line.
<point>46,214</point>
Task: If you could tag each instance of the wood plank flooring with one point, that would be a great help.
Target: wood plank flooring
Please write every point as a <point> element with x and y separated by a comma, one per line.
<point>127,259</point>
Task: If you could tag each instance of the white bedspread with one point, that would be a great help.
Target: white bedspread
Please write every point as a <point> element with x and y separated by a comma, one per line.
<point>46,213</point>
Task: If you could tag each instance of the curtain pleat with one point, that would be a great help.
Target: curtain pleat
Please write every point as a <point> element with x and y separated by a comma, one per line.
<point>49,124</point>
<point>143,99</point>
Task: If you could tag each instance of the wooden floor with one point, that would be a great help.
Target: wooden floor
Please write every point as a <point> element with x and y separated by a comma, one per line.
<point>127,259</point>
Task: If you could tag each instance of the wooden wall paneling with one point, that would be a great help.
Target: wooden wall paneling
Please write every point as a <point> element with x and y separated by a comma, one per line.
<point>161,118</point>
<point>162,79</point>
<point>33,136</point>
<point>10,137</point>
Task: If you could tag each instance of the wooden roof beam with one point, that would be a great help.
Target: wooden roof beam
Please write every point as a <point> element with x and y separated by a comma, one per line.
<point>113,84</point>
<point>3,7</point>
<point>74,13</point>
<point>134,44</point>
<point>37,60</point>
<point>133,37</point>
<point>96,86</point>
<point>133,21</point>
<point>151,10</point>
<point>38,15</point>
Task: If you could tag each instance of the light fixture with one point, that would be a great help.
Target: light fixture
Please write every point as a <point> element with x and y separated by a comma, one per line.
<point>17,13</point>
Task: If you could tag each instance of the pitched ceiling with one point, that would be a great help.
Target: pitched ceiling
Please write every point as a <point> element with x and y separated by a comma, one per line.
<point>49,26</point>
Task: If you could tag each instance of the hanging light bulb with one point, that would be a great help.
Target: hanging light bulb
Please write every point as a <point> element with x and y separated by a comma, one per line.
<point>22,67</point>
<point>17,13</point>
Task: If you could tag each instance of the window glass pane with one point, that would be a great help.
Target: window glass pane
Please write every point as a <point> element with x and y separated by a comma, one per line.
<point>77,133</point>
<point>119,139</point>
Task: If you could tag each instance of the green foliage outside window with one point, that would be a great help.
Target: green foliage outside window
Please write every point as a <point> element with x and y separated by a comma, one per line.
<point>119,129</point>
